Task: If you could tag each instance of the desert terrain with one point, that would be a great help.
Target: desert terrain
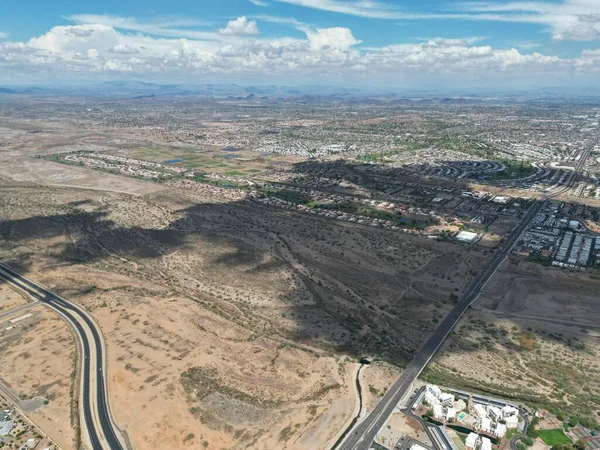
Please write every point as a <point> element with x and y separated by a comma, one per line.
<point>228,323</point>
<point>38,364</point>
<point>533,336</point>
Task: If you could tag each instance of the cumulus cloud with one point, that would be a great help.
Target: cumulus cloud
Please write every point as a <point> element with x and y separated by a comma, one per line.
<point>337,37</point>
<point>99,49</point>
<point>123,49</point>
<point>240,27</point>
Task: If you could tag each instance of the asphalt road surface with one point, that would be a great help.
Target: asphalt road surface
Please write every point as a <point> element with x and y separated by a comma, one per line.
<point>363,434</point>
<point>93,349</point>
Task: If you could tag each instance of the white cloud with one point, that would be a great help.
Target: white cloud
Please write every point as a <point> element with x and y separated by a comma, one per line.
<point>325,53</point>
<point>240,27</point>
<point>171,28</point>
<point>123,49</point>
<point>337,37</point>
<point>3,35</point>
<point>259,3</point>
<point>361,8</point>
<point>567,20</point>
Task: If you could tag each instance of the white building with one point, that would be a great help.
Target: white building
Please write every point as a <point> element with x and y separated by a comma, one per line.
<point>480,411</point>
<point>486,444</point>
<point>495,412</point>
<point>460,405</point>
<point>450,414</point>
<point>500,430</point>
<point>431,399</point>
<point>486,425</point>
<point>510,411</point>
<point>472,441</point>
<point>512,422</point>
<point>446,398</point>
<point>438,413</point>
<point>434,390</point>
<point>467,237</point>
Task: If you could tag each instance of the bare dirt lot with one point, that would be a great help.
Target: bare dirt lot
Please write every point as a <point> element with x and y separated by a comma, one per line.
<point>9,299</point>
<point>38,357</point>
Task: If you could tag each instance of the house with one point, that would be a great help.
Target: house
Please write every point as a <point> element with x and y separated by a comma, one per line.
<point>472,441</point>
<point>31,443</point>
<point>446,398</point>
<point>6,425</point>
<point>486,425</point>
<point>450,414</point>
<point>480,411</point>
<point>438,412</point>
<point>512,422</point>
<point>486,444</point>
<point>500,430</point>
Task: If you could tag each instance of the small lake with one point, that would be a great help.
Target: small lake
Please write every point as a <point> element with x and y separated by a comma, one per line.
<point>172,161</point>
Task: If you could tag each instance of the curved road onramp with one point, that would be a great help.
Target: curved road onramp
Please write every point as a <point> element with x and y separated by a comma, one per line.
<point>102,432</point>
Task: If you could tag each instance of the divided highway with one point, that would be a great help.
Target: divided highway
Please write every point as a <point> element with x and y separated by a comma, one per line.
<point>100,427</point>
<point>362,435</point>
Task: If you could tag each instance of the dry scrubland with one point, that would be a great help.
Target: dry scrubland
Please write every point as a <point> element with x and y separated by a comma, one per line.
<point>38,360</point>
<point>227,323</point>
<point>533,336</point>
<point>9,298</point>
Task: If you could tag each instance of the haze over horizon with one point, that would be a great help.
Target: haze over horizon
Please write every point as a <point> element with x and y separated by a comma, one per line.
<point>335,42</point>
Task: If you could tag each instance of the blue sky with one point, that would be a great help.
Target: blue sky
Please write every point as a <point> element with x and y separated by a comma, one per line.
<point>354,42</point>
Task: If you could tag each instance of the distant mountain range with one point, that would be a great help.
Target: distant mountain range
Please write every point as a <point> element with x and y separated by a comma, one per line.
<point>141,90</point>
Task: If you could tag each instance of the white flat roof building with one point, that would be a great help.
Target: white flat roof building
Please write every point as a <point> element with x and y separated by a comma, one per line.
<point>431,399</point>
<point>510,411</point>
<point>434,390</point>
<point>486,424</point>
<point>495,412</point>
<point>471,441</point>
<point>467,236</point>
<point>512,421</point>
<point>486,444</point>
<point>438,413</point>
<point>480,411</point>
<point>460,405</point>
<point>450,413</point>
<point>500,430</point>
<point>446,398</point>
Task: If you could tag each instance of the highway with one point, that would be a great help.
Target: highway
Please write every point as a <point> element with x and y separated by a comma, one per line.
<point>573,177</point>
<point>100,427</point>
<point>363,434</point>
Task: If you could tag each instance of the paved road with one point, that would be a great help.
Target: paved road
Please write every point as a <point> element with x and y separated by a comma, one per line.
<point>18,309</point>
<point>93,382</point>
<point>574,176</point>
<point>361,437</point>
